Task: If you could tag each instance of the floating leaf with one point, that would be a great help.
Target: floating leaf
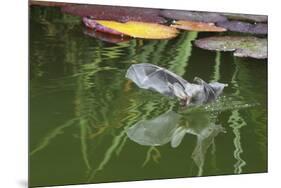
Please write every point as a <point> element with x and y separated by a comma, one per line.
<point>259,28</point>
<point>46,3</point>
<point>106,37</point>
<point>242,46</point>
<point>197,26</point>
<point>141,29</point>
<point>193,16</point>
<point>246,17</point>
<point>92,24</point>
<point>115,13</point>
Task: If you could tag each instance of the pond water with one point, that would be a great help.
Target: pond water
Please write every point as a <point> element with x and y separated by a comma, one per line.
<point>87,120</point>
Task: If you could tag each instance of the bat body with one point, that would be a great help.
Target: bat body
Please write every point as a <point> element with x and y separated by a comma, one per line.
<point>152,77</point>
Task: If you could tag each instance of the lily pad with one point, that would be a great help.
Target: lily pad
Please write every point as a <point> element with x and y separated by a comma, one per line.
<point>48,4</point>
<point>246,17</point>
<point>197,26</point>
<point>237,26</point>
<point>106,37</point>
<point>193,16</point>
<point>141,29</point>
<point>115,13</point>
<point>92,24</point>
<point>242,46</point>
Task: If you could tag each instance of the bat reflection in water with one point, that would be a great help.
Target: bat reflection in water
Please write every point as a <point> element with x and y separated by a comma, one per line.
<point>172,127</point>
<point>148,76</point>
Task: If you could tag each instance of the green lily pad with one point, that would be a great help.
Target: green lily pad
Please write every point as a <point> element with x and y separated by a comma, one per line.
<point>246,17</point>
<point>242,46</point>
<point>208,17</point>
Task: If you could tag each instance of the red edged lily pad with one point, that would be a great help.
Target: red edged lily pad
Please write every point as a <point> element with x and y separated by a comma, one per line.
<point>115,13</point>
<point>93,24</point>
<point>48,4</point>
<point>197,26</point>
<point>106,37</point>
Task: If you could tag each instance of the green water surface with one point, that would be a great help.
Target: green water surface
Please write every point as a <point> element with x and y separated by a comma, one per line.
<point>82,106</point>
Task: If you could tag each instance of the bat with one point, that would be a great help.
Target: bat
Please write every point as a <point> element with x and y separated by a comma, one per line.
<point>161,80</point>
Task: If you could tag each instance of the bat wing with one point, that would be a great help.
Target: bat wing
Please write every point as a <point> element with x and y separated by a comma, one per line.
<point>148,76</point>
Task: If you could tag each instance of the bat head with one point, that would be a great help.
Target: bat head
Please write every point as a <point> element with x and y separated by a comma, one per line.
<point>217,88</point>
<point>206,92</point>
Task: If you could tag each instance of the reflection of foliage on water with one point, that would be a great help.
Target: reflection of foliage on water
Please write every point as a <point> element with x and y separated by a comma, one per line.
<point>53,134</point>
<point>147,50</point>
<point>108,154</point>
<point>182,53</point>
<point>249,72</point>
<point>174,55</point>
<point>243,84</point>
<point>83,136</point>
<point>92,109</point>
<point>152,153</point>
<point>113,53</point>
<point>94,115</point>
<point>51,23</point>
<point>237,122</point>
<point>216,75</point>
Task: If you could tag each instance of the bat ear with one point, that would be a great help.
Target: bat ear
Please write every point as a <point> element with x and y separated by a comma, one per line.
<point>199,80</point>
<point>178,91</point>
